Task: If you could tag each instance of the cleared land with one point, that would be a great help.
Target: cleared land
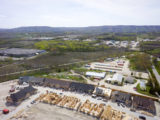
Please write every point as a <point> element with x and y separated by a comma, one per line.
<point>43,111</point>
<point>5,87</point>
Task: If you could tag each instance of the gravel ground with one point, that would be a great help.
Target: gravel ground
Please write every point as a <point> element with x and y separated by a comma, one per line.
<point>4,92</point>
<point>43,111</point>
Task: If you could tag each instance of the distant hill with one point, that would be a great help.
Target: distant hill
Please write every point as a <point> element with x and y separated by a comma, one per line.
<point>91,30</point>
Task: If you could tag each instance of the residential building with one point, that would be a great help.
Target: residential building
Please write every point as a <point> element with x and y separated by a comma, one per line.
<point>17,98</point>
<point>116,79</point>
<point>31,80</point>
<point>142,85</point>
<point>106,92</point>
<point>145,104</point>
<point>129,79</point>
<point>121,97</point>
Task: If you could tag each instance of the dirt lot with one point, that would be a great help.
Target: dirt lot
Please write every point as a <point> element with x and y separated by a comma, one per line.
<point>4,92</point>
<point>43,111</point>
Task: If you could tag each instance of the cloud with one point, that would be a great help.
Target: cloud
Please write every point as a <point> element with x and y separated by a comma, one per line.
<point>122,7</point>
<point>79,12</point>
<point>2,16</point>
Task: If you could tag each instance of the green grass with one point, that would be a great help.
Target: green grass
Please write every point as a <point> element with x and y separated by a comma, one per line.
<point>69,77</point>
<point>157,66</point>
<point>146,92</point>
<point>85,70</point>
<point>61,45</point>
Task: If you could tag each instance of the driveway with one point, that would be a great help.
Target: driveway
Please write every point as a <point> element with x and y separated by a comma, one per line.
<point>156,74</point>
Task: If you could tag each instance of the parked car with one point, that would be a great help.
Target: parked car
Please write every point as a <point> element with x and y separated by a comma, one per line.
<point>99,98</point>
<point>105,100</point>
<point>123,105</point>
<point>33,102</point>
<point>118,104</point>
<point>5,111</point>
<point>93,96</point>
<point>142,117</point>
<point>133,110</point>
<point>11,90</point>
<point>135,88</point>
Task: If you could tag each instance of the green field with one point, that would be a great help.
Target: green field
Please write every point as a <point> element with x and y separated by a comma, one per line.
<point>71,45</point>
<point>146,92</point>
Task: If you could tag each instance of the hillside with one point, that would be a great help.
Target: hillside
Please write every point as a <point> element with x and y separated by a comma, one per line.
<point>92,29</point>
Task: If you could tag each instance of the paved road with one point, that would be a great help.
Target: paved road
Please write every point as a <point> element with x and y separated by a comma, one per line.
<point>156,74</point>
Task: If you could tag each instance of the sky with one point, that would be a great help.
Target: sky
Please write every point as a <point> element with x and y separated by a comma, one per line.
<point>78,13</point>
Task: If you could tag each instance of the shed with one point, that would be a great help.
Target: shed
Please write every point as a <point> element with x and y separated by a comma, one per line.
<point>116,79</point>
<point>96,74</point>
<point>102,91</point>
<point>31,79</point>
<point>143,85</point>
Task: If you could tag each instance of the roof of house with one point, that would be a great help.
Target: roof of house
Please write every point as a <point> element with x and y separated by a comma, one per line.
<point>82,87</point>
<point>142,103</point>
<point>129,79</point>
<point>30,79</point>
<point>22,93</point>
<point>55,82</point>
<point>142,84</point>
<point>103,91</point>
<point>96,74</point>
<point>117,77</point>
<point>121,97</point>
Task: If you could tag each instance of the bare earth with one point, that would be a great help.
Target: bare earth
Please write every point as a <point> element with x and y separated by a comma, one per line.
<point>4,92</point>
<point>43,111</point>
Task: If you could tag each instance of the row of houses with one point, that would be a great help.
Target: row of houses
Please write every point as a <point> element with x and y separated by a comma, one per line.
<point>59,84</point>
<point>17,98</point>
<point>126,99</point>
<point>100,111</point>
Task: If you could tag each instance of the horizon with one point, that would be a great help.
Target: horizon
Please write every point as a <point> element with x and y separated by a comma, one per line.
<point>78,13</point>
<point>77,26</point>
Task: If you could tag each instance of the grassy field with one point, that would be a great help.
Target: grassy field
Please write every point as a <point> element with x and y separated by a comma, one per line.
<point>67,77</point>
<point>52,60</point>
<point>146,92</point>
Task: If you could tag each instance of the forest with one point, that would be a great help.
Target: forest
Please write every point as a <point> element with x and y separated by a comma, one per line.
<point>71,45</point>
<point>151,47</point>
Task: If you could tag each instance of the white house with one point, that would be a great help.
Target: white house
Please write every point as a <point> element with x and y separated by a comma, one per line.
<point>129,79</point>
<point>102,91</point>
<point>96,74</point>
<point>116,79</point>
<point>142,85</point>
